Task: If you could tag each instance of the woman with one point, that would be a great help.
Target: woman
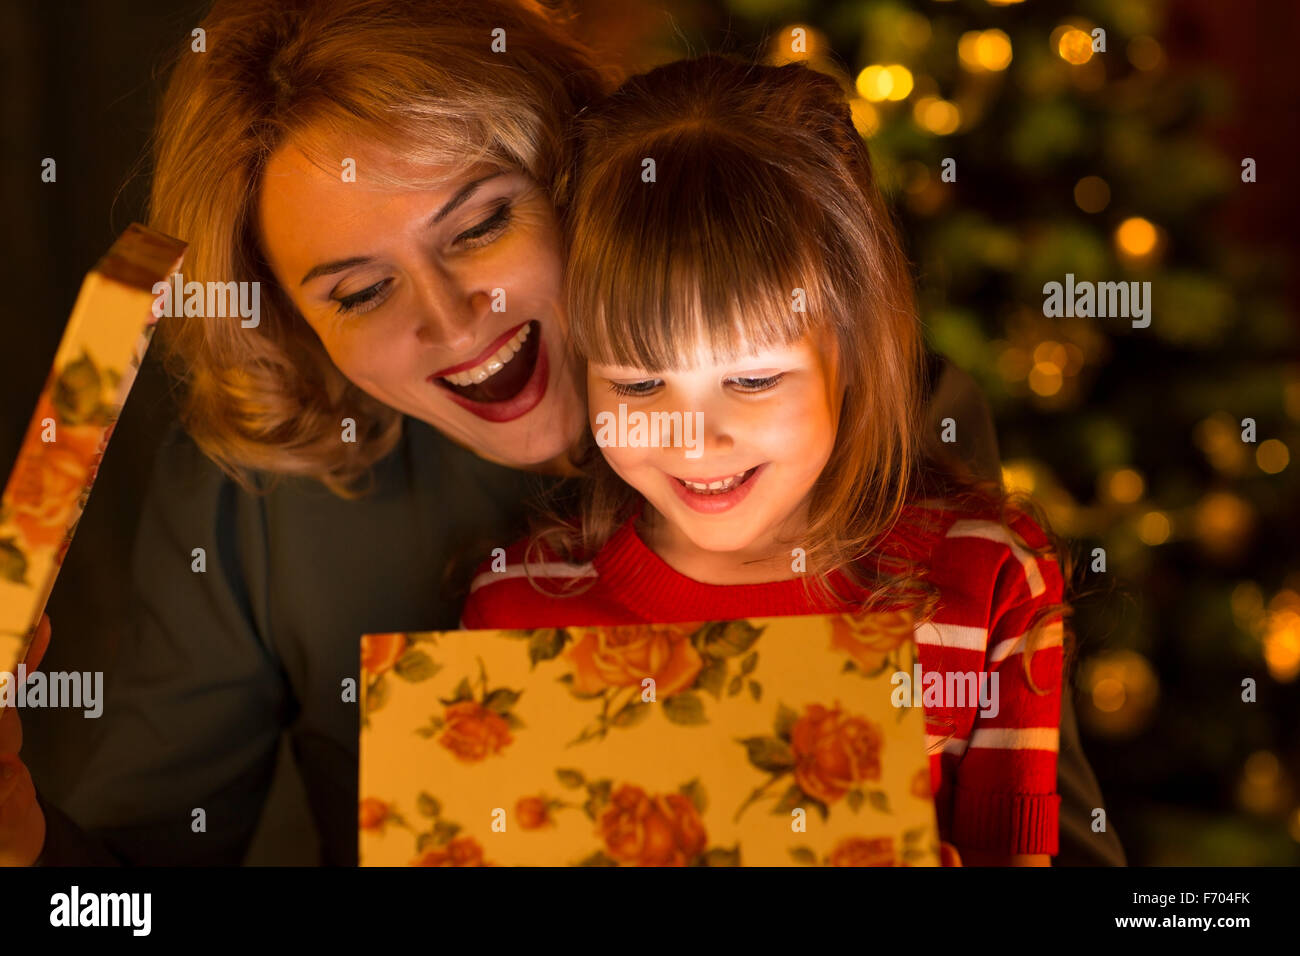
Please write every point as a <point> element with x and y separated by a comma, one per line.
<point>411,333</point>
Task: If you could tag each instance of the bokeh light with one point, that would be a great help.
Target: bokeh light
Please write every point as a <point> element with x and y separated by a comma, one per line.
<point>1154,528</point>
<point>1136,238</point>
<point>1122,486</point>
<point>984,50</point>
<point>1272,456</point>
<point>1092,194</point>
<point>877,83</point>
<point>936,115</point>
<point>1072,45</point>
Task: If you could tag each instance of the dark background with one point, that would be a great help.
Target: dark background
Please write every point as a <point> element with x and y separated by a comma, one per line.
<point>1188,778</point>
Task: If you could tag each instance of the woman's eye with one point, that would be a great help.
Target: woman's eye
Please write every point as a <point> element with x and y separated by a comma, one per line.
<point>364,300</point>
<point>634,388</point>
<point>757,384</point>
<point>488,229</point>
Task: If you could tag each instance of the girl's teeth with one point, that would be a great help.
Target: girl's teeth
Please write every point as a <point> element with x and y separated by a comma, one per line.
<point>715,486</point>
<point>492,365</point>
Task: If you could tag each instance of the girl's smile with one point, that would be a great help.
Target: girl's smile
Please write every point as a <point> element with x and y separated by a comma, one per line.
<point>715,495</point>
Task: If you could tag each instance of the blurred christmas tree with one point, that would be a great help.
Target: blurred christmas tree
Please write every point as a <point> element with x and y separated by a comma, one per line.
<point>1072,146</point>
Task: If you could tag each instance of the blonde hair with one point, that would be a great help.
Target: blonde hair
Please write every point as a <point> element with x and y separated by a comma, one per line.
<point>417,78</point>
<point>762,187</point>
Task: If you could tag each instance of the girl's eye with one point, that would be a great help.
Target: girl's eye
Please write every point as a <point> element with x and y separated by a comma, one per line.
<point>634,388</point>
<point>364,300</point>
<point>757,384</point>
<point>488,229</point>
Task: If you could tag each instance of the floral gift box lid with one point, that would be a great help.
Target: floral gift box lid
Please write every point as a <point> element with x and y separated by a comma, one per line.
<point>94,368</point>
<point>763,742</point>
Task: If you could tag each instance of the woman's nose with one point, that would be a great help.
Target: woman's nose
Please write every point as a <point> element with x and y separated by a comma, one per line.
<point>449,315</point>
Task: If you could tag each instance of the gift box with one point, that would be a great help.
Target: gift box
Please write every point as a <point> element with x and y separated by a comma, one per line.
<point>764,742</point>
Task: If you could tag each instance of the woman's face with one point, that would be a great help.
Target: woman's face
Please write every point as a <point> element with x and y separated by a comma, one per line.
<point>444,303</point>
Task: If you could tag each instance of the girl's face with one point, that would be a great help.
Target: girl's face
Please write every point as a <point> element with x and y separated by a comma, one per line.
<point>768,427</point>
<point>442,303</point>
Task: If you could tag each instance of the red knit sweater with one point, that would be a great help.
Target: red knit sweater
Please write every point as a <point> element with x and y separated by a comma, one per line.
<point>994,779</point>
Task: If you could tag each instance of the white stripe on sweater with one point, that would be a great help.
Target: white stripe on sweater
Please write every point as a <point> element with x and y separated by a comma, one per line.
<point>545,569</point>
<point>996,532</point>
<point>1016,738</point>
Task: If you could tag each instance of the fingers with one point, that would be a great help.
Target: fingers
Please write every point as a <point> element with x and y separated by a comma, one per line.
<point>22,824</point>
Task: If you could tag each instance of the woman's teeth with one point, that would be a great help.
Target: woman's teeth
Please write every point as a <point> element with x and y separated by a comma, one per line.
<point>716,487</point>
<point>495,363</point>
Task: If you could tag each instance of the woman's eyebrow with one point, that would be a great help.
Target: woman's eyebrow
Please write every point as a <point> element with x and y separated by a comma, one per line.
<point>338,265</point>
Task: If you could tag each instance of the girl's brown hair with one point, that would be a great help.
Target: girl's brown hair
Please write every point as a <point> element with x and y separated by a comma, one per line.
<point>416,78</point>
<point>762,200</point>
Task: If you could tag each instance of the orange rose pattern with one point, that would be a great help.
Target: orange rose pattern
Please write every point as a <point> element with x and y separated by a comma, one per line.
<point>834,751</point>
<point>373,813</point>
<point>861,851</point>
<point>921,785</point>
<point>665,830</point>
<point>462,851</point>
<point>869,639</point>
<point>532,813</point>
<point>379,652</point>
<point>49,477</point>
<point>474,732</point>
<point>625,656</point>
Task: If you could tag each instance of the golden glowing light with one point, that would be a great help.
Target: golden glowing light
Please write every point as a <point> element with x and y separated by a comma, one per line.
<point>1124,485</point>
<point>877,82</point>
<point>1092,194</point>
<point>984,50</point>
<point>1045,379</point>
<point>1154,528</point>
<point>936,116</point>
<point>797,43</point>
<point>1282,645</point>
<point>1272,456</point>
<point>1260,788</point>
<point>1051,353</point>
<point>1004,3</point>
<point>1120,691</point>
<point>1018,477</point>
<point>1136,237</point>
<point>900,81</point>
<point>1221,519</point>
<point>1074,46</point>
<point>866,119</point>
<point>1108,695</point>
<point>1220,439</point>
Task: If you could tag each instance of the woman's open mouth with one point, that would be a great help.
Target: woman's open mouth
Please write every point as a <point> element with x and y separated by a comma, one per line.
<point>712,495</point>
<point>504,381</point>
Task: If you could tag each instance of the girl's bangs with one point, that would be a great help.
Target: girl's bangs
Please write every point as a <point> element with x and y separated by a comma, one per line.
<point>717,258</point>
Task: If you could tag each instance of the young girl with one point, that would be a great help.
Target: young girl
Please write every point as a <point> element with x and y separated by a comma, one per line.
<point>732,264</point>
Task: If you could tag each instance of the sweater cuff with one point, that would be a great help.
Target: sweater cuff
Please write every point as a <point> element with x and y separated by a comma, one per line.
<point>1006,822</point>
